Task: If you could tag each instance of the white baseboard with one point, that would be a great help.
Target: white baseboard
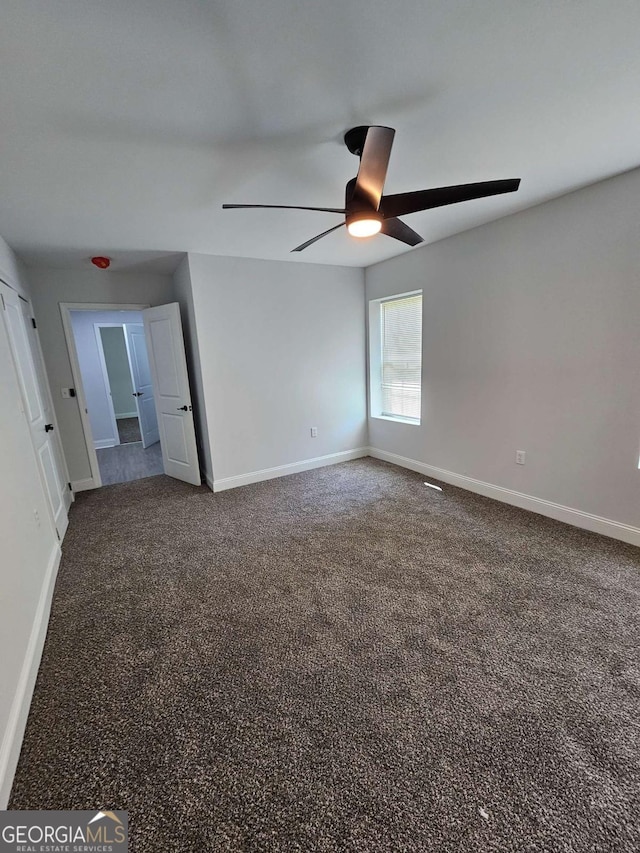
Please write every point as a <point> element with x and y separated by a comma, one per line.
<point>104,442</point>
<point>284,470</point>
<point>83,485</point>
<point>127,415</point>
<point>14,732</point>
<point>576,517</point>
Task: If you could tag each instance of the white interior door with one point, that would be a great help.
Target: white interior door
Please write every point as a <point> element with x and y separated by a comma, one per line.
<point>165,347</point>
<point>37,406</point>
<point>142,383</point>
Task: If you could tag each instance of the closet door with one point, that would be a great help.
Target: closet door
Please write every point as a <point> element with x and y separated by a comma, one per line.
<point>37,406</point>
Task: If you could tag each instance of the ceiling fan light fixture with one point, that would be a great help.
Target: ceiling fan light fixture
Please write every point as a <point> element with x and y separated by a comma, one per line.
<point>367,211</point>
<point>364,224</point>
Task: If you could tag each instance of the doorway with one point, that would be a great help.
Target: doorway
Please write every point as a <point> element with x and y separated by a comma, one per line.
<point>116,380</point>
<point>158,367</point>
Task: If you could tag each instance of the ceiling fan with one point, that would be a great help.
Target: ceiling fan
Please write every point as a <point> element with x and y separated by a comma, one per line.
<point>367,211</point>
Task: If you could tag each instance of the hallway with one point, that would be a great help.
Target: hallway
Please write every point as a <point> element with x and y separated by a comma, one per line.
<point>127,462</point>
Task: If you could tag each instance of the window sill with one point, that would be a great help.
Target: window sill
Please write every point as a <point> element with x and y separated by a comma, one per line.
<point>397,419</point>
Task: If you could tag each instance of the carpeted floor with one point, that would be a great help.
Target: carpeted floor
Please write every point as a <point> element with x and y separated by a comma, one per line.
<point>128,430</point>
<point>341,660</point>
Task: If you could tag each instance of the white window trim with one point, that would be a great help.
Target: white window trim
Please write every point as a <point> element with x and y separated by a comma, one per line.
<point>375,361</point>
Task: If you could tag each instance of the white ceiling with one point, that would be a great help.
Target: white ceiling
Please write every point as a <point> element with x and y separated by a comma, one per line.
<point>126,125</point>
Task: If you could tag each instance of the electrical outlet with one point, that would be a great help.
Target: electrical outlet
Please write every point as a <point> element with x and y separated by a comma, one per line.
<point>520,457</point>
<point>314,432</point>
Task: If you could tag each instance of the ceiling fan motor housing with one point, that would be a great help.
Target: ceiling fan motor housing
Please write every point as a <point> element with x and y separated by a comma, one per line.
<point>354,139</point>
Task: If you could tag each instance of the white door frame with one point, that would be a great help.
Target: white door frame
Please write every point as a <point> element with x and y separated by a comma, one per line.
<point>95,481</point>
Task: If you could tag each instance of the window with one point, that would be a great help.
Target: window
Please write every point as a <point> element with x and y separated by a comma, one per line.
<point>396,357</point>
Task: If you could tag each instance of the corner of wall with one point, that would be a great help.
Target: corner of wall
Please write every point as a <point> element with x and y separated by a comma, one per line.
<point>12,270</point>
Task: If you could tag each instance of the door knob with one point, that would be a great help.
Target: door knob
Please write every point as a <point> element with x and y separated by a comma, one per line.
<point>184,408</point>
<point>48,427</point>
<point>137,394</point>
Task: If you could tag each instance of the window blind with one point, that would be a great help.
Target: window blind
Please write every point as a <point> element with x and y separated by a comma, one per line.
<point>401,338</point>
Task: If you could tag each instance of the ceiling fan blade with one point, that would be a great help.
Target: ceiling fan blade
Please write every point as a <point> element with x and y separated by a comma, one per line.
<point>315,239</point>
<point>285,207</point>
<point>403,203</point>
<point>374,162</point>
<point>398,230</point>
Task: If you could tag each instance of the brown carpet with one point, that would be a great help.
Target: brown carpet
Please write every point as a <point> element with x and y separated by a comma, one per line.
<point>341,660</point>
<point>128,430</point>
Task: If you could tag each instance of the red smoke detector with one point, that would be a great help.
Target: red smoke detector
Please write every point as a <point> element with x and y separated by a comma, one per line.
<point>101,263</point>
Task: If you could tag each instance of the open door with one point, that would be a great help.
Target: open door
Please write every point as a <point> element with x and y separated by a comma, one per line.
<point>142,385</point>
<point>37,406</point>
<point>165,348</point>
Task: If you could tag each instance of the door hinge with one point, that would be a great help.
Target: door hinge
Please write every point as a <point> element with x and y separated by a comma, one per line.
<point>70,487</point>
<point>33,322</point>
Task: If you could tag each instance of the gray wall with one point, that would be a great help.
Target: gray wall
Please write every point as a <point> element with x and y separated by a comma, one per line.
<point>282,349</point>
<point>118,370</point>
<point>49,287</point>
<point>531,341</point>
